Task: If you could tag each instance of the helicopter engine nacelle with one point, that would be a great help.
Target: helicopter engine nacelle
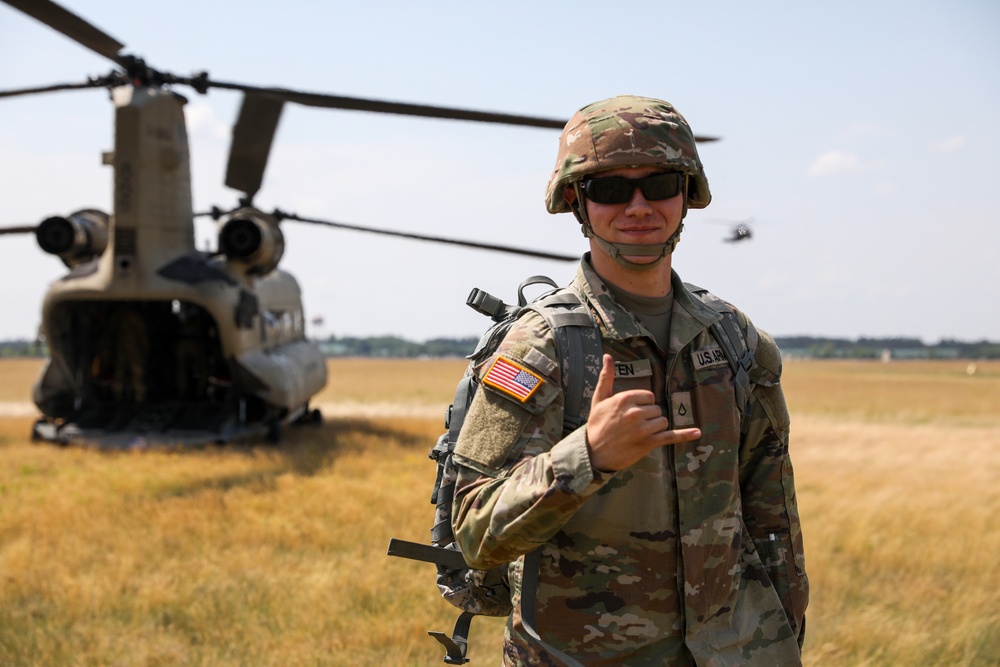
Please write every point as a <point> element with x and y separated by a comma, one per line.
<point>76,239</point>
<point>252,238</point>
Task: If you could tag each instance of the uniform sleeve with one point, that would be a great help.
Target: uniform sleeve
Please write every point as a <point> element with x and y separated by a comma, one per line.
<point>519,480</point>
<point>770,509</point>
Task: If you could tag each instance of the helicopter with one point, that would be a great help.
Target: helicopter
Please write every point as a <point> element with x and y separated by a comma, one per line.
<point>739,230</point>
<point>151,341</point>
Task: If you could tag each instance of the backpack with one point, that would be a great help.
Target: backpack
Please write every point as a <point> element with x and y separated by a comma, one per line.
<point>487,592</point>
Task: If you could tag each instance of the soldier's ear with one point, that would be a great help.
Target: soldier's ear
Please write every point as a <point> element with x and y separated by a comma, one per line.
<point>569,194</point>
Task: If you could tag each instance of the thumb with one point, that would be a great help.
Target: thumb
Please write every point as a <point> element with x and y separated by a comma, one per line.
<point>605,381</point>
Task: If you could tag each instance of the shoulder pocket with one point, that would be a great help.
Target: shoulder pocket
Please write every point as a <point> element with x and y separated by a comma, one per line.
<point>499,418</point>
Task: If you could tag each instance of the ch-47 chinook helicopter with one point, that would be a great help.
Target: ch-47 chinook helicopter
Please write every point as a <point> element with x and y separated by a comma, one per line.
<point>151,340</point>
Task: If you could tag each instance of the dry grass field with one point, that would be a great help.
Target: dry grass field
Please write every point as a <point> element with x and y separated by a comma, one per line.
<point>255,555</point>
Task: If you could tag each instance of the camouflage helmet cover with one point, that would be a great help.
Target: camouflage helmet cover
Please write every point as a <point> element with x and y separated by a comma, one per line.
<point>626,131</point>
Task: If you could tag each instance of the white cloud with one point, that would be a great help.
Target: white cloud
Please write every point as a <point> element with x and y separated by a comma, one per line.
<point>839,161</point>
<point>201,120</point>
<point>835,162</point>
<point>859,130</point>
<point>950,144</point>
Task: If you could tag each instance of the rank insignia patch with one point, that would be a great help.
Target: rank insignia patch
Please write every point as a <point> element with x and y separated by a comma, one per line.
<point>512,379</point>
<point>682,409</point>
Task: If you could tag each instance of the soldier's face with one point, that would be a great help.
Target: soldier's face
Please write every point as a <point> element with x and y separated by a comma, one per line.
<point>638,221</point>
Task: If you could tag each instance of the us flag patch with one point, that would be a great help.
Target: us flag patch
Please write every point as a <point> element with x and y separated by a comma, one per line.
<point>512,379</point>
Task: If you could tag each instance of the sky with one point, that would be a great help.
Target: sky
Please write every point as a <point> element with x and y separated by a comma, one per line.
<point>861,138</point>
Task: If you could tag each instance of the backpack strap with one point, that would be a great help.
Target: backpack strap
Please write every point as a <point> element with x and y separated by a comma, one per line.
<point>577,338</point>
<point>458,643</point>
<point>738,347</point>
<point>456,411</point>
<point>570,320</point>
<point>529,590</point>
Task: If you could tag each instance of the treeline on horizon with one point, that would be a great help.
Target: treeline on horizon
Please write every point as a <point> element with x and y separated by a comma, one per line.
<point>811,347</point>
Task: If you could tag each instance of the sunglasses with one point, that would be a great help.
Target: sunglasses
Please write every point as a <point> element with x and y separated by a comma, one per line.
<point>619,189</point>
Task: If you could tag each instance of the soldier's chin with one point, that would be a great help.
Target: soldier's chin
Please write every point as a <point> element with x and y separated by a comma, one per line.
<point>642,259</point>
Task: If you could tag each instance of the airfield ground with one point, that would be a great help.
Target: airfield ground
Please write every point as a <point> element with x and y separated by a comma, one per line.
<point>275,556</point>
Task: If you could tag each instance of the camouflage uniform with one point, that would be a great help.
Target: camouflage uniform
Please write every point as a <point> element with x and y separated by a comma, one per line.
<point>691,556</point>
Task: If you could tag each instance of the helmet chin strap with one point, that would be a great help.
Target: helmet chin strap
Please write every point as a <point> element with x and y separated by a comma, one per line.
<point>617,251</point>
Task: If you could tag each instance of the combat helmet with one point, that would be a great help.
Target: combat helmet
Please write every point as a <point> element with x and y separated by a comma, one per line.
<point>626,131</point>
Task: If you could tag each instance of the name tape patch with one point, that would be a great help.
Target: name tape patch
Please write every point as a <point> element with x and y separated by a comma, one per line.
<point>512,379</point>
<point>709,357</point>
<point>633,369</point>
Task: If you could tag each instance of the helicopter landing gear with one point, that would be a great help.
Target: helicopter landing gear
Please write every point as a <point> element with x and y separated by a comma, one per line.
<point>274,433</point>
<point>309,417</point>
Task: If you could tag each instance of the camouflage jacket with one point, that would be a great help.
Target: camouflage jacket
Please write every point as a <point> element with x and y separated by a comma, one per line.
<point>691,556</point>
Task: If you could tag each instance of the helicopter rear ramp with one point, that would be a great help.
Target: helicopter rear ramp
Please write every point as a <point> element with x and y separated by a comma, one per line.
<point>164,425</point>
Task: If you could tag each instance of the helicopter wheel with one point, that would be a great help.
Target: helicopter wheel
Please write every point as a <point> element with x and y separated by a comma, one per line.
<point>309,417</point>
<point>274,433</point>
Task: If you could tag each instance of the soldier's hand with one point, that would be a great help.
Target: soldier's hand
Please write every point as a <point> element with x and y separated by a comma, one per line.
<point>624,427</point>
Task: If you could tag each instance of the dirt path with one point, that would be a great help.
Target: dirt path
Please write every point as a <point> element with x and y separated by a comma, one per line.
<point>16,409</point>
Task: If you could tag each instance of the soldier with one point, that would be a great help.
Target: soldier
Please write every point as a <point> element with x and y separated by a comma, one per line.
<point>131,354</point>
<point>665,530</point>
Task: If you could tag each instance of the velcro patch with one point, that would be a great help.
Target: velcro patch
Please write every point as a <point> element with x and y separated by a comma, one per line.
<point>708,358</point>
<point>683,409</point>
<point>492,428</point>
<point>512,379</point>
<point>633,369</point>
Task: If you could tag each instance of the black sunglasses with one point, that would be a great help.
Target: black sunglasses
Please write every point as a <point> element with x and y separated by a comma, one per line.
<point>619,189</point>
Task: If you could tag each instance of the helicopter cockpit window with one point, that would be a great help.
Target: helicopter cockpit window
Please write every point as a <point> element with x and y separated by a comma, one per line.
<point>280,326</point>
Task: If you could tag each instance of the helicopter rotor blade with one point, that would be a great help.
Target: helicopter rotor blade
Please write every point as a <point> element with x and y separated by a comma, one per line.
<point>326,101</point>
<point>20,229</point>
<point>96,40</point>
<point>53,88</point>
<point>730,221</point>
<point>252,137</point>
<point>433,239</point>
<point>71,25</point>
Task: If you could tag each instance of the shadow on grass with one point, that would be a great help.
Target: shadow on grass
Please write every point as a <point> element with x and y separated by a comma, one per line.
<point>304,449</point>
<point>308,449</point>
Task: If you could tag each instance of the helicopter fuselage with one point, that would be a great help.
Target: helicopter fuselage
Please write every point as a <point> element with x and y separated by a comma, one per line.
<point>151,339</point>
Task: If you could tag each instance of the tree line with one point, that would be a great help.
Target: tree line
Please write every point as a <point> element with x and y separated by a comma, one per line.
<point>812,347</point>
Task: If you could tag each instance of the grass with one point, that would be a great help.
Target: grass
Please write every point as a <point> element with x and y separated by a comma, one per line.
<point>246,556</point>
<point>17,377</point>
<point>906,392</point>
<point>901,541</point>
<point>262,556</point>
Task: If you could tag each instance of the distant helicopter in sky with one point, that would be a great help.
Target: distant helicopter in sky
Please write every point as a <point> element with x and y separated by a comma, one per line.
<point>739,230</point>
